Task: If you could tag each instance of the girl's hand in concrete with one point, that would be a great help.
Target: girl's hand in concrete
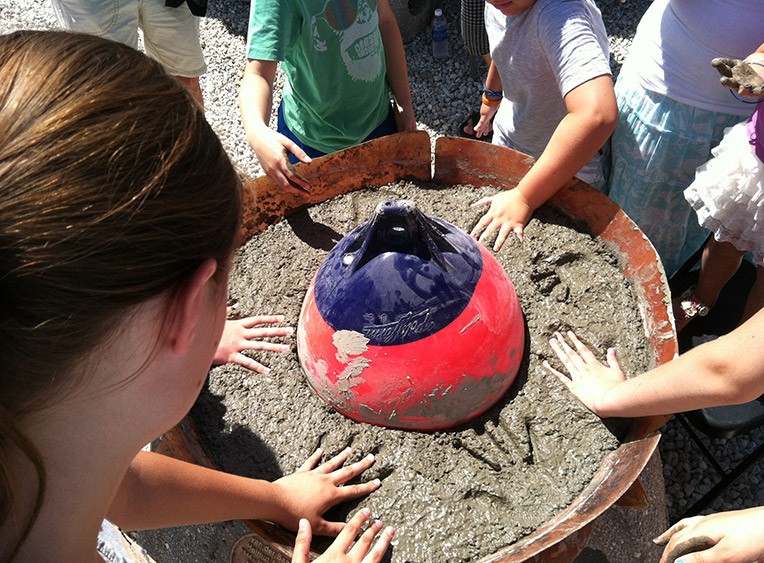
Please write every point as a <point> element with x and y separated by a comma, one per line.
<point>587,378</point>
<point>245,334</point>
<point>310,491</point>
<point>732,537</point>
<point>341,551</point>
<point>509,213</point>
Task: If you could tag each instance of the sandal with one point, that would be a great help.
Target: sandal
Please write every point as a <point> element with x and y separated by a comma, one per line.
<point>687,308</point>
<point>470,123</point>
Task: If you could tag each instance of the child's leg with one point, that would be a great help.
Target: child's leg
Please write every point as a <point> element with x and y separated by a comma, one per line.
<point>719,263</point>
<point>755,299</point>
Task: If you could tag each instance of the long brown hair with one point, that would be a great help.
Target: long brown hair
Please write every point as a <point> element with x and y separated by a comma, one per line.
<point>113,188</point>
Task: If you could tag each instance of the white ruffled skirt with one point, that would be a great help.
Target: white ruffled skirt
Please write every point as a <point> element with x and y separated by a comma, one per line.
<point>728,194</point>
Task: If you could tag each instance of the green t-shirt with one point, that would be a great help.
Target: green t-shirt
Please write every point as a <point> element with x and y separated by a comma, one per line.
<point>332,54</point>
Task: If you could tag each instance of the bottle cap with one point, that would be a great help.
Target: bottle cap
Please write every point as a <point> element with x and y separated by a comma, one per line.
<point>438,12</point>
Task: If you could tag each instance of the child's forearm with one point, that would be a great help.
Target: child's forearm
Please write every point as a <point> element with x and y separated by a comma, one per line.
<point>256,96</point>
<point>159,492</point>
<point>567,152</point>
<point>668,389</point>
<point>556,165</point>
<point>726,371</point>
<point>591,118</point>
<point>493,79</point>
<point>397,76</point>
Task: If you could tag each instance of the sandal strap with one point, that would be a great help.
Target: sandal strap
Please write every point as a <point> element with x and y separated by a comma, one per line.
<point>690,305</point>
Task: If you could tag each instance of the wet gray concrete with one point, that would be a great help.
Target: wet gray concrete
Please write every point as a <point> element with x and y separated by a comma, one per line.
<point>455,495</point>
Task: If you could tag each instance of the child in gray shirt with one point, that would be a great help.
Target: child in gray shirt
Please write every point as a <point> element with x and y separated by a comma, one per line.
<point>549,93</point>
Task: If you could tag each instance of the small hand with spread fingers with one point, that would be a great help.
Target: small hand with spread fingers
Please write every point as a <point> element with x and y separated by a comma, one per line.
<point>342,549</point>
<point>587,378</point>
<point>726,537</point>
<point>509,213</point>
<point>312,490</point>
<point>245,334</point>
<point>739,75</point>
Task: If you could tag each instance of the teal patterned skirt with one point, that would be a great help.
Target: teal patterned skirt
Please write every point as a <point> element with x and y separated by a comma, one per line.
<point>656,148</point>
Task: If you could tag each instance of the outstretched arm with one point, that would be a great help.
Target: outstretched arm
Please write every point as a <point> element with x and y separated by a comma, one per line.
<point>397,71</point>
<point>255,103</point>
<point>160,491</point>
<point>591,118</point>
<point>726,371</point>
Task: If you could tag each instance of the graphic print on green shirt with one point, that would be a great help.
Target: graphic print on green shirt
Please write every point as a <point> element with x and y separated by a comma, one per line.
<point>333,57</point>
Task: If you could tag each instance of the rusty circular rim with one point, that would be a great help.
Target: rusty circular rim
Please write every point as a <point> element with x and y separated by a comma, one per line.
<point>462,161</point>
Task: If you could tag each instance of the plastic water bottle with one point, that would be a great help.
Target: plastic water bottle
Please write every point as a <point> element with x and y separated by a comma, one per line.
<point>439,35</point>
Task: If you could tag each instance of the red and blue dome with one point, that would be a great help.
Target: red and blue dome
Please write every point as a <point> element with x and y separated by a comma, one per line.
<point>410,323</point>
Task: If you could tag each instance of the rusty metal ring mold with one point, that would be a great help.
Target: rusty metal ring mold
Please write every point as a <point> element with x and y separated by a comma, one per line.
<point>462,161</point>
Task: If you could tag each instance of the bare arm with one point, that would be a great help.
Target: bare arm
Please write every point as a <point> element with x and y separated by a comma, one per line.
<point>159,491</point>
<point>726,371</point>
<point>591,118</point>
<point>397,71</point>
<point>493,79</point>
<point>493,83</point>
<point>255,103</point>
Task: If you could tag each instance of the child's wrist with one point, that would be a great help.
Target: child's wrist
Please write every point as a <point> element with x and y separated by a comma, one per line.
<point>493,94</point>
<point>607,405</point>
<point>525,198</point>
<point>492,102</point>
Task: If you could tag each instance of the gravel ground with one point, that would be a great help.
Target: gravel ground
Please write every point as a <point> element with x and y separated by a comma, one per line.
<point>444,93</point>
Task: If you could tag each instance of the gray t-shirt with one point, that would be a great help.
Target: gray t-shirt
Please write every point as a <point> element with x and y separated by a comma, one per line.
<point>541,55</point>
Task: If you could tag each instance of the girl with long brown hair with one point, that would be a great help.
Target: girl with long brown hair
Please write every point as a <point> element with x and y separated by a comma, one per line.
<point>119,211</point>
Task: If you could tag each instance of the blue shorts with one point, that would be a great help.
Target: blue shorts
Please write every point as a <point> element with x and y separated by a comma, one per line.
<point>387,127</point>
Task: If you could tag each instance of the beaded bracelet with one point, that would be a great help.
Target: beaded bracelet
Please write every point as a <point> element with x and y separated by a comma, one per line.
<point>491,93</point>
<point>490,102</point>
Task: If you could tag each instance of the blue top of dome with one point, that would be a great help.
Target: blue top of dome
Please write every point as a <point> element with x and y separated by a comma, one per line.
<point>399,277</point>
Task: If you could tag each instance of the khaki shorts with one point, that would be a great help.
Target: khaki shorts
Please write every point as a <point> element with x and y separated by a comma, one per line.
<point>170,35</point>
